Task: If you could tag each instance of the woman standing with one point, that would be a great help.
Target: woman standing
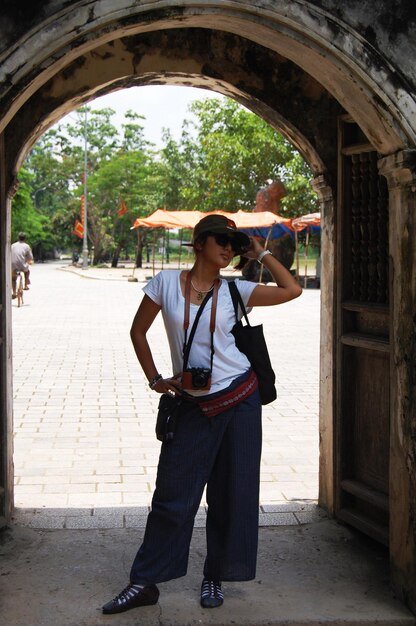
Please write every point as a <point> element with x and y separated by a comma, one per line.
<point>217,441</point>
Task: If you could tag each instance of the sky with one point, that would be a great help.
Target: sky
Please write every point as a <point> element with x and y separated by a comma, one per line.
<point>164,106</point>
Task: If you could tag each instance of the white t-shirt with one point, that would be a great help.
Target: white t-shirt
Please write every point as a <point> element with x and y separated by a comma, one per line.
<point>21,254</point>
<point>229,362</point>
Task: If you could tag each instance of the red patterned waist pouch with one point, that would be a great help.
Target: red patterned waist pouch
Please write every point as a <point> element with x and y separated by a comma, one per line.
<point>215,403</point>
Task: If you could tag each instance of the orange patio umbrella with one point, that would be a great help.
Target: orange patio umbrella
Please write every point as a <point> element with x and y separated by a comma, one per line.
<point>302,222</point>
<point>165,219</point>
<point>188,219</point>
<point>162,218</point>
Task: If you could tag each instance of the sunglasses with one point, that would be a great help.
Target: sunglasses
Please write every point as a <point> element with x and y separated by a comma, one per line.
<point>224,240</point>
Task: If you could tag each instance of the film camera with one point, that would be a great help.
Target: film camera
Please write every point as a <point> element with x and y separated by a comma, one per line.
<point>196,378</point>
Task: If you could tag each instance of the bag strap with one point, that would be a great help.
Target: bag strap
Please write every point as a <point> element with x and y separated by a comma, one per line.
<point>187,344</point>
<point>187,301</point>
<point>237,300</point>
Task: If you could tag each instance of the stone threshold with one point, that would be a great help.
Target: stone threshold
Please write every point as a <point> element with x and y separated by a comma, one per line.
<point>293,513</point>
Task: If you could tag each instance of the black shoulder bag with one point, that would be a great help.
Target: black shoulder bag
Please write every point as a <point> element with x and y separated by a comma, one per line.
<point>250,340</point>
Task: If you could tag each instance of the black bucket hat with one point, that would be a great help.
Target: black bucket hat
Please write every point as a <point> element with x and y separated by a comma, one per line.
<point>221,225</point>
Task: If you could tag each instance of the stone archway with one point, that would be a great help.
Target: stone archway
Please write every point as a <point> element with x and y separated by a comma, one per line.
<point>299,66</point>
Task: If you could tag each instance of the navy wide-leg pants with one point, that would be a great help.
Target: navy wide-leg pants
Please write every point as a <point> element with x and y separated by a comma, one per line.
<point>222,452</point>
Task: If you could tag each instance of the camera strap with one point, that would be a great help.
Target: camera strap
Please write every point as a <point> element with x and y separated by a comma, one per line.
<point>214,295</point>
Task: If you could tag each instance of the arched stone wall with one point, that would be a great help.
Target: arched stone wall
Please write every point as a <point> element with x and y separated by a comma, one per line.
<point>298,64</point>
<point>316,39</point>
<point>262,80</point>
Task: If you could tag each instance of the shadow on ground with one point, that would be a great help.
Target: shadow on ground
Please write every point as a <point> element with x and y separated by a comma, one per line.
<point>320,573</point>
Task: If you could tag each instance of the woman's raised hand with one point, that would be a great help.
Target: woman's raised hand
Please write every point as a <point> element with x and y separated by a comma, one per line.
<point>254,250</point>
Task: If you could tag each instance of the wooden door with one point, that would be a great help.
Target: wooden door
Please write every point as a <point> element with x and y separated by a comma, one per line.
<point>362,359</point>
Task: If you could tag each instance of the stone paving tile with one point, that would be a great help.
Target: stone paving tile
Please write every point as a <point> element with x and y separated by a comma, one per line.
<point>308,517</point>
<point>277,519</point>
<point>47,500</point>
<point>84,415</point>
<point>137,498</point>
<point>135,521</point>
<point>88,523</point>
<point>49,522</point>
<point>293,506</point>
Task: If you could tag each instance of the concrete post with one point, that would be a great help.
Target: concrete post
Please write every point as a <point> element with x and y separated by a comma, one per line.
<point>326,381</point>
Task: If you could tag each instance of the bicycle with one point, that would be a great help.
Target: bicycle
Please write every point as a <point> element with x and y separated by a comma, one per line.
<point>19,287</point>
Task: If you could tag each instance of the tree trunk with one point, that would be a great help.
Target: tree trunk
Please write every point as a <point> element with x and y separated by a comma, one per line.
<point>116,254</point>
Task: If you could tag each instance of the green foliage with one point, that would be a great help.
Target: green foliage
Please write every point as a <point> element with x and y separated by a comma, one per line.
<point>25,217</point>
<point>174,172</point>
<point>224,156</point>
<point>300,198</point>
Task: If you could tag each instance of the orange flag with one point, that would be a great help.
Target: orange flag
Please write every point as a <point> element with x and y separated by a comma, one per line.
<point>78,229</point>
<point>82,213</point>
<point>122,210</point>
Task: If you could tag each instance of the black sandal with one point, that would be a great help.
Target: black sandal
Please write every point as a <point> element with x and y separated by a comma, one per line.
<point>211,594</point>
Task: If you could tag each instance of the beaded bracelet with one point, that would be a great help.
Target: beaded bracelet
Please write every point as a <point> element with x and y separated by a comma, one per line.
<point>153,382</point>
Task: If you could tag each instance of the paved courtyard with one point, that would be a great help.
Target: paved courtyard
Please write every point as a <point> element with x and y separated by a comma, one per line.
<point>85,452</point>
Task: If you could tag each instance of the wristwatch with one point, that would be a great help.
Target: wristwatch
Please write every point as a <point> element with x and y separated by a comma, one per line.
<point>262,254</point>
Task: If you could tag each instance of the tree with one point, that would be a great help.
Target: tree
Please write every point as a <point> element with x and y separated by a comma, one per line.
<point>26,218</point>
<point>55,164</point>
<point>128,177</point>
<point>226,155</point>
<point>175,167</point>
<point>121,167</point>
<point>300,197</point>
<point>132,176</point>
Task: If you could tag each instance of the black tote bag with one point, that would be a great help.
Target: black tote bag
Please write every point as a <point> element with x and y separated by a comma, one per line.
<point>250,340</point>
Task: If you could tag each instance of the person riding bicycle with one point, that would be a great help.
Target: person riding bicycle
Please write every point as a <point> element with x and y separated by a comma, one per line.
<point>22,257</point>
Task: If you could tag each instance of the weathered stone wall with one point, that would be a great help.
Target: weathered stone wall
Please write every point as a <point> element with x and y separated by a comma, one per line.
<point>325,40</point>
<point>269,84</point>
<point>297,63</point>
<point>387,26</point>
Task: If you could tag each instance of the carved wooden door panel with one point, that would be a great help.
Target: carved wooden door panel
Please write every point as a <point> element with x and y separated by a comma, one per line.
<point>363,365</point>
